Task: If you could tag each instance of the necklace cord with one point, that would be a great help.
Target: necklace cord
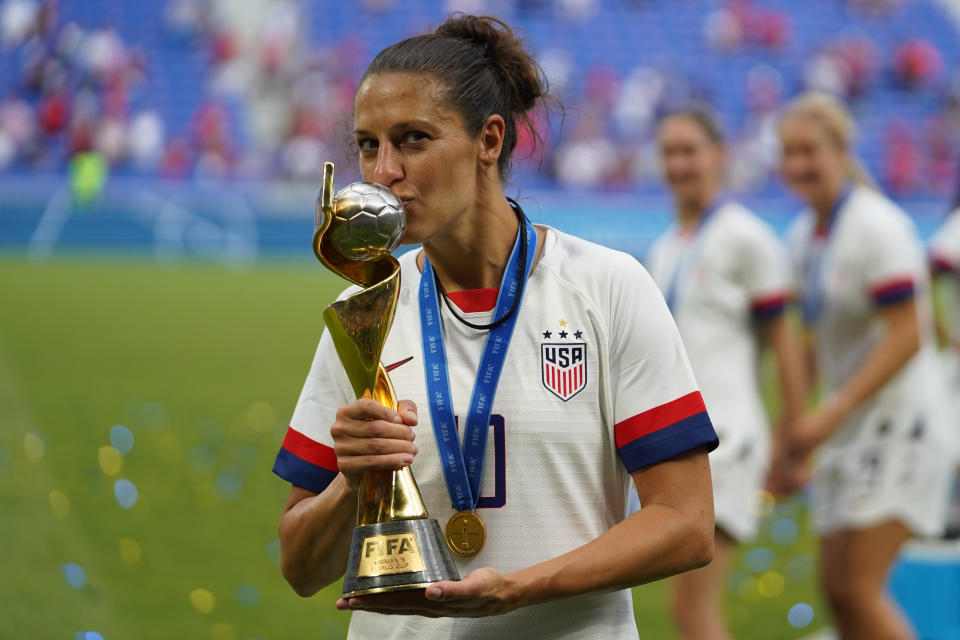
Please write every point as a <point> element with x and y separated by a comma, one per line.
<point>522,265</point>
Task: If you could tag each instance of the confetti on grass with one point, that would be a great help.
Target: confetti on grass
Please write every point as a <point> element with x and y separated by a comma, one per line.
<point>130,551</point>
<point>121,438</point>
<point>59,504</point>
<point>800,615</point>
<point>110,460</point>
<point>125,493</point>
<point>33,447</point>
<point>202,600</point>
<point>74,574</point>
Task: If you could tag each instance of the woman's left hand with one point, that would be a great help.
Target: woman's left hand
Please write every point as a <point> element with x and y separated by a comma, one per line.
<point>482,592</point>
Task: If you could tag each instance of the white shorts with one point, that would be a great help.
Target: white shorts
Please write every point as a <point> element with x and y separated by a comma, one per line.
<point>738,468</point>
<point>894,476</point>
<point>737,477</point>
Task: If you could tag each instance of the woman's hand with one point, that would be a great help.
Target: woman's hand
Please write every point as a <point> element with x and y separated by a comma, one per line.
<point>813,428</point>
<point>795,442</point>
<point>368,436</point>
<point>482,592</point>
<point>789,472</point>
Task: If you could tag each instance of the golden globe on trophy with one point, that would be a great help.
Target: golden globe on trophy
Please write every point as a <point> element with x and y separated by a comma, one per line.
<point>395,545</point>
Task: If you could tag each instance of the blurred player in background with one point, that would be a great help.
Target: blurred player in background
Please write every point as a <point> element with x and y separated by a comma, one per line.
<point>596,391</point>
<point>726,278</point>
<point>883,467</point>
<point>945,261</point>
<point>944,253</point>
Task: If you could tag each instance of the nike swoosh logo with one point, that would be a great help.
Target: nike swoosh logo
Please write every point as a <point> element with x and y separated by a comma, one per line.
<point>391,367</point>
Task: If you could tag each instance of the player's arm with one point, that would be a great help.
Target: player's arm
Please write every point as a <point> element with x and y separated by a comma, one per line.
<point>316,528</point>
<point>937,276</point>
<point>788,471</point>
<point>765,275</point>
<point>808,348</point>
<point>672,533</point>
<point>315,531</point>
<point>944,263</point>
<point>780,336</point>
<point>900,342</point>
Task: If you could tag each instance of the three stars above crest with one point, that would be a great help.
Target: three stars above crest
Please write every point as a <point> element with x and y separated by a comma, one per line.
<point>563,333</point>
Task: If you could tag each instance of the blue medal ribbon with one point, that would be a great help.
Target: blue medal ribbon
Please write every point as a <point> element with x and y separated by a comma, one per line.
<point>463,467</point>
<point>813,263</point>
<point>689,256</point>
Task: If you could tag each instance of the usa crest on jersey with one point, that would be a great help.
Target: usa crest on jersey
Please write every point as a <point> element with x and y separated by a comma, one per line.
<point>563,366</point>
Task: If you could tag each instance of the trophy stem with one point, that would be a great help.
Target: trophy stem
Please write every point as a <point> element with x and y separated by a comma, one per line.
<point>359,325</point>
<point>386,496</point>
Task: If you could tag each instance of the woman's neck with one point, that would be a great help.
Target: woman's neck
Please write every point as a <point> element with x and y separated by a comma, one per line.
<point>474,254</point>
<point>688,216</point>
<point>690,212</point>
<point>825,203</point>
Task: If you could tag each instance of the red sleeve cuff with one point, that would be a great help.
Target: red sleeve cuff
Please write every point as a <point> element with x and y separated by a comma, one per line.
<point>645,423</point>
<point>313,452</point>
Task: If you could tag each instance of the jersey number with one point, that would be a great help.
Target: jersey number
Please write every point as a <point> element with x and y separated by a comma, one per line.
<point>499,497</point>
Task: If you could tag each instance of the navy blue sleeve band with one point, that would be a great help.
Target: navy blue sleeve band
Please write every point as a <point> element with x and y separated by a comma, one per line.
<point>770,312</point>
<point>298,471</point>
<point>893,297</point>
<point>680,437</point>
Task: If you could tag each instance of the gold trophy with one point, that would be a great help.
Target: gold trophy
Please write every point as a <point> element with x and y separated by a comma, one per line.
<point>395,545</point>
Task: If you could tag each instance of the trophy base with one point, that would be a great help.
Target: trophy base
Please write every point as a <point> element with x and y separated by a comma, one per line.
<point>400,555</point>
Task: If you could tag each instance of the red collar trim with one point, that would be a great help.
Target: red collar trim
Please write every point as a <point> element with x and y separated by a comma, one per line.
<point>474,300</point>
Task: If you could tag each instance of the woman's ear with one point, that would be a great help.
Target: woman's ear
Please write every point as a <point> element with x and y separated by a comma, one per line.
<point>490,142</point>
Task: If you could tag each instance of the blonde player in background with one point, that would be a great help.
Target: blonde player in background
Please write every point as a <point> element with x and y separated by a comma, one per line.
<point>595,393</point>
<point>726,279</point>
<point>883,466</point>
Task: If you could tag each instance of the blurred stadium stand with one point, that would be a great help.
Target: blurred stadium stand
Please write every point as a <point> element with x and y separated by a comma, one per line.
<point>176,99</point>
<point>88,71</point>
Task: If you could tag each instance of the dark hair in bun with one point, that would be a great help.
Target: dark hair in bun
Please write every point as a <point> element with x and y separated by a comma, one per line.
<point>484,68</point>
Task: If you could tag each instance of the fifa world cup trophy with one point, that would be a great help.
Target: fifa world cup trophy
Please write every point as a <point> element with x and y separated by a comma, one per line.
<point>395,545</point>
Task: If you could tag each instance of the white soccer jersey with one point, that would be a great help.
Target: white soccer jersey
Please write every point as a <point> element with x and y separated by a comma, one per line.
<point>871,256</point>
<point>721,279</point>
<point>945,258</point>
<point>563,438</point>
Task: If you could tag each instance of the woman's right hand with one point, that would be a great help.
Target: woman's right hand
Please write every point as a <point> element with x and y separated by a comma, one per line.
<point>369,436</point>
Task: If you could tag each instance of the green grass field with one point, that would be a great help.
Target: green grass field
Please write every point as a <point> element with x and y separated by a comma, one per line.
<point>203,364</point>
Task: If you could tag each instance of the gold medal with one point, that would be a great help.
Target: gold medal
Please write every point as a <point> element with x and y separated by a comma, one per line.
<point>465,533</point>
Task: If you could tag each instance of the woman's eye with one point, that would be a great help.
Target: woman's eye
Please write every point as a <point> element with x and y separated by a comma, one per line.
<point>366,144</point>
<point>414,136</point>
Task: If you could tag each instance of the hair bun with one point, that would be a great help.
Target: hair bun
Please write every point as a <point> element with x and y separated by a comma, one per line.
<point>522,75</point>
<point>477,29</point>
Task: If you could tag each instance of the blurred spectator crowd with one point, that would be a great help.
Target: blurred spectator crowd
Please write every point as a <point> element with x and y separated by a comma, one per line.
<point>186,89</point>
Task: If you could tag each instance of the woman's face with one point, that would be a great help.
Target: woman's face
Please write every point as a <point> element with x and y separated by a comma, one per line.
<point>412,143</point>
<point>813,164</point>
<point>692,161</point>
